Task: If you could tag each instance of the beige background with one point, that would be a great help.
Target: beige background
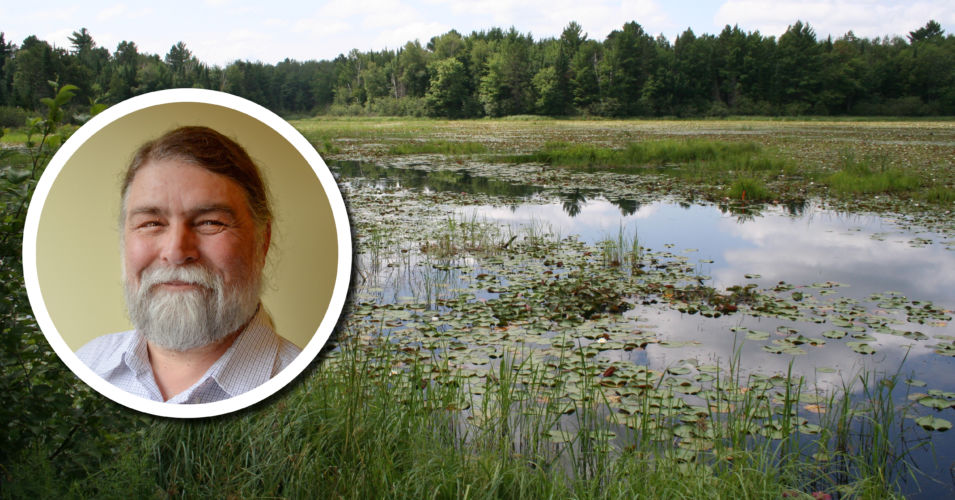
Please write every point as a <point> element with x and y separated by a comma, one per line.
<point>78,258</point>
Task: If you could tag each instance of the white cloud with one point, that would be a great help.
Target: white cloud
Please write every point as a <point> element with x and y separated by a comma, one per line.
<point>422,31</point>
<point>59,38</point>
<point>801,253</point>
<point>865,18</point>
<point>111,12</point>
<point>547,18</point>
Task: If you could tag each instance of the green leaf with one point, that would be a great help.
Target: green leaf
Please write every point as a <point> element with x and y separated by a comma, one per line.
<point>861,347</point>
<point>931,423</point>
<point>65,94</point>
<point>937,403</point>
<point>558,436</point>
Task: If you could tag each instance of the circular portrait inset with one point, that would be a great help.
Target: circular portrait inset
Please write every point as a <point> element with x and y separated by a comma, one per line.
<point>187,253</point>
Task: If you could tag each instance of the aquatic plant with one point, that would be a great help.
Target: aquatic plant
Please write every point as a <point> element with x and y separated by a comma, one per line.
<point>867,176</point>
<point>622,250</point>
<point>746,189</point>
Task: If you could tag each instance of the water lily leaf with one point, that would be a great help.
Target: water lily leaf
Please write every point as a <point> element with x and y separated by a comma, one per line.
<point>684,431</point>
<point>935,402</point>
<point>772,430</point>
<point>757,335</point>
<point>798,340</point>
<point>931,423</point>
<point>697,444</point>
<point>811,429</point>
<point>861,347</point>
<point>558,436</point>
<point>834,334</point>
<point>687,387</point>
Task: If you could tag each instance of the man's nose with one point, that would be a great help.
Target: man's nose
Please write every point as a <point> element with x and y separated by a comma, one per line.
<point>180,245</point>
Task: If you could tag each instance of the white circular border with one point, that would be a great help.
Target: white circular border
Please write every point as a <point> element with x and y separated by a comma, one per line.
<point>342,276</point>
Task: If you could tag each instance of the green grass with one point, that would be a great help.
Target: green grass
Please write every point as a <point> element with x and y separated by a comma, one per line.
<point>637,154</point>
<point>372,422</point>
<point>868,176</point>
<point>746,189</point>
<point>696,160</point>
<point>622,250</point>
<point>459,236</point>
<point>17,136</point>
<point>940,195</point>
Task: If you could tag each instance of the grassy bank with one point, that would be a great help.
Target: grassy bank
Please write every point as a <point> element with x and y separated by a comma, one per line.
<point>368,424</point>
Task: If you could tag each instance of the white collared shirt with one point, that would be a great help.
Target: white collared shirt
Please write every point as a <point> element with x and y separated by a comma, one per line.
<point>257,355</point>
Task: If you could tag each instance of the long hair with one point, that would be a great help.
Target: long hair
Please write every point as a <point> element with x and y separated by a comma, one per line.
<point>206,148</point>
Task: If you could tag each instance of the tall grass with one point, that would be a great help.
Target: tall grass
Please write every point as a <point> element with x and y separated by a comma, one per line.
<point>622,250</point>
<point>372,421</point>
<point>869,176</point>
<point>697,160</point>
<point>691,154</point>
<point>656,153</point>
<point>748,189</point>
<point>461,235</point>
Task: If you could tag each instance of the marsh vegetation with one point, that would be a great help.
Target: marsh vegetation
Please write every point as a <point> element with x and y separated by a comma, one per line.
<point>623,339</point>
<point>594,309</point>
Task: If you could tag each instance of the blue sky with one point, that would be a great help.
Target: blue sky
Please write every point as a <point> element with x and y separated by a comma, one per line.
<point>220,31</point>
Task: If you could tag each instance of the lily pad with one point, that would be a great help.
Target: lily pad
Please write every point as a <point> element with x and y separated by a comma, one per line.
<point>559,436</point>
<point>931,423</point>
<point>861,347</point>
<point>936,402</point>
<point>757,335</point>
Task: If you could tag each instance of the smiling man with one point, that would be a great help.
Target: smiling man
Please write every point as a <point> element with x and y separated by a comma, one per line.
<point>196,226</point>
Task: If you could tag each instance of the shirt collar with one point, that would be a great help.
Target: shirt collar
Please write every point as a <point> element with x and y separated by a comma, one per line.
<point>235,372</point>
<point>240,368</point>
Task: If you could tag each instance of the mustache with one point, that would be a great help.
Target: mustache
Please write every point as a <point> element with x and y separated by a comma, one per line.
<point>192,275</point>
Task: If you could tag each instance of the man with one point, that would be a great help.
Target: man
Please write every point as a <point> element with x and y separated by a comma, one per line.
<point>195,228</point>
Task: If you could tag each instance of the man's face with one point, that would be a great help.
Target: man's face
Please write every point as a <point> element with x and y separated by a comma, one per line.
<point>181,217</point>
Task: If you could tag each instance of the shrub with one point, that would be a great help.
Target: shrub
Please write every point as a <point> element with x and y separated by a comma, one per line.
<point>12,116</point>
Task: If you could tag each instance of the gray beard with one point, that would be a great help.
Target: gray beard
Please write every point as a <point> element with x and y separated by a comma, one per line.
<point>184,320</point>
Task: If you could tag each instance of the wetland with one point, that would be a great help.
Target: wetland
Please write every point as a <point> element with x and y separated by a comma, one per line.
<point>682,290</point>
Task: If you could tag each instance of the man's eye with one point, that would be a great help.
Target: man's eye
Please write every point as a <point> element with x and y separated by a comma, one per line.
<point>210,225</point>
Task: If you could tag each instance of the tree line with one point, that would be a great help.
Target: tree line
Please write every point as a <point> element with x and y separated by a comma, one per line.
<point>505,72</point>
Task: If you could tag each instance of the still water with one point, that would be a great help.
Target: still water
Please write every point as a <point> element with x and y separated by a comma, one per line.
<point>838,259</point>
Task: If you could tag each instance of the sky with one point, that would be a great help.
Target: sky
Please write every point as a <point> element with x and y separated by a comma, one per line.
<point>222,31</point>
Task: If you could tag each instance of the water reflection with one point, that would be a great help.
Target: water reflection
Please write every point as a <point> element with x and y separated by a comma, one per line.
<point>864,251</point>
<point>453,181</point>
<point>463,181</point>
<point>799,244</point>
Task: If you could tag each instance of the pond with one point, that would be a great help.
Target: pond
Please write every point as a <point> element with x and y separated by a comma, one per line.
<point>800,289</point>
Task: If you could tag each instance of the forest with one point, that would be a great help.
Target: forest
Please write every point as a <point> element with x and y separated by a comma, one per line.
<point>501,72</point>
